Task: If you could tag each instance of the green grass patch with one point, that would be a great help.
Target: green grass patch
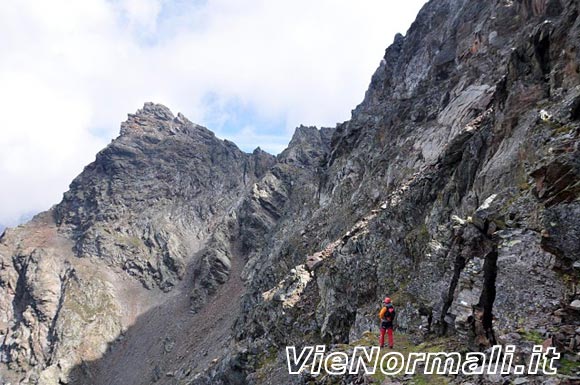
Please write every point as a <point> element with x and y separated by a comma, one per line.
<point>267,358</point>
<point>568,367</point>
<point>405,346</point>
<point>531,336</point>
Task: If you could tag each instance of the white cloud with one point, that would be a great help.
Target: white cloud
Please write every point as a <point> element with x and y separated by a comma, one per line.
<point>70,71</point>
<point>141,14</point>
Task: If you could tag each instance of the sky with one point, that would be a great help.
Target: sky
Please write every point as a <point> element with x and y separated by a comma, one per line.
<point>251,71</point>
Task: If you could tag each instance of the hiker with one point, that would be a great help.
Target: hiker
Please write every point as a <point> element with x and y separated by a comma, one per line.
<point>387,316</point>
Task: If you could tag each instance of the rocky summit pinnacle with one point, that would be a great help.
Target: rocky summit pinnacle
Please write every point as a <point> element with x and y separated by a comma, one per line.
<point>177,258</point>
<point>156,119</point>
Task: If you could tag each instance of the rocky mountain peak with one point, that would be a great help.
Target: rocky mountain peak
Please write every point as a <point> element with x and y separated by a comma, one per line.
<point>151,119</point>
<point>308,144</point>
<point>155,185</point>
<point>156,120</point>
<point>156,110</point>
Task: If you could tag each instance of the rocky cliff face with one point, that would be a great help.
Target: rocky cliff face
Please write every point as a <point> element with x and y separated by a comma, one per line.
<point>177,258</point>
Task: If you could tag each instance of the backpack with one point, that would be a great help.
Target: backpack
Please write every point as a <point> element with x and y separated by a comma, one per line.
<point>390,314</point>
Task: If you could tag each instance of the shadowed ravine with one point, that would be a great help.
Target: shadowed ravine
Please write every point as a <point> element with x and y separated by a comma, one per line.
<point>169,341</point>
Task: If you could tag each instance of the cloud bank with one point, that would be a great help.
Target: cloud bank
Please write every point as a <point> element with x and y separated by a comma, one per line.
<point>251,71</point>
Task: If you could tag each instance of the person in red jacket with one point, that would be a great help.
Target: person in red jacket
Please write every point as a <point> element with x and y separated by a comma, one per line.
<point>387,316</point>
